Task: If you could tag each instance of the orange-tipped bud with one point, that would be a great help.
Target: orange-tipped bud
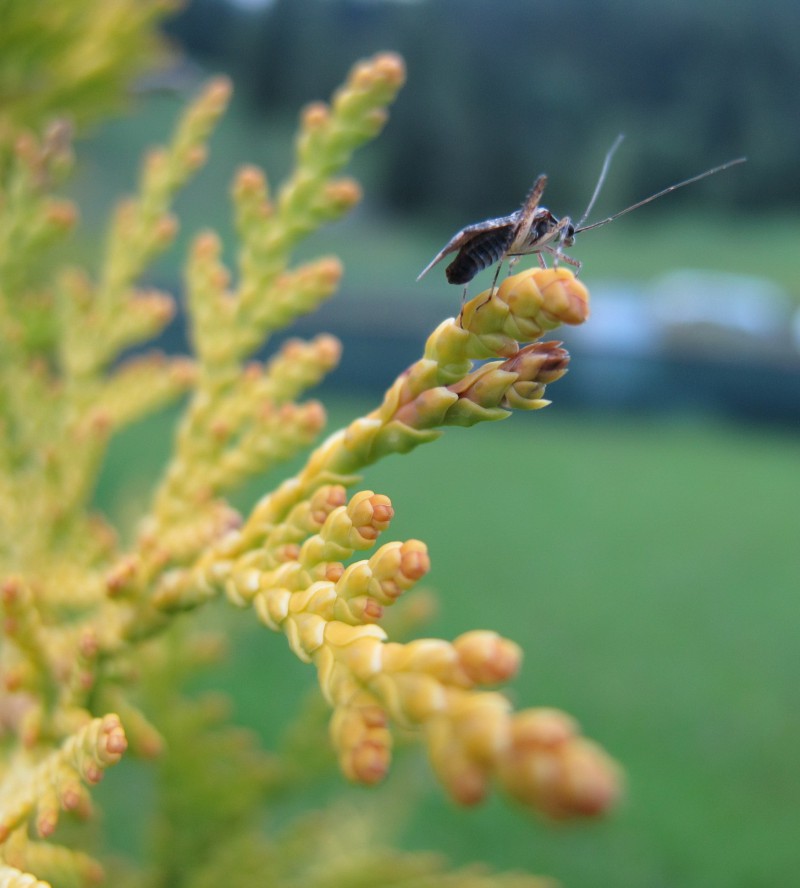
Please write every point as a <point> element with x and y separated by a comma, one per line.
<point>315,117</point>
<point>397,566</point>
<point>218,93</point>
<point>361,735</point>
<point>324,500</point>
<point>341,194</point>
<point>488,658</point>
<point>386,67</point>
<point>121,577</point>
<point>548,767</point>
<point>165,229</point>
<point>62,214</point>
<point>251,180</point>
<point>196,156</point>
<point>370,514</point>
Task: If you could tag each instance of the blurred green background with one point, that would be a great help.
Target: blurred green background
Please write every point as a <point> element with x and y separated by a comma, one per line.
<point>639,537</point>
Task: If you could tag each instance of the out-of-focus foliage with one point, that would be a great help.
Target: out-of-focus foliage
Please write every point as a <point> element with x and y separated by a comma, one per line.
<point>74,58</point>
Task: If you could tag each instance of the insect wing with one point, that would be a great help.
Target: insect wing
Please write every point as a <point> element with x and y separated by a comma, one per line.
<point>527,215</point>
<point>460,240</point>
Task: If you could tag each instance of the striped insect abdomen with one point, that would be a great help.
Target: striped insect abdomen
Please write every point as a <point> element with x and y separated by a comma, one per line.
<point>481,251</point>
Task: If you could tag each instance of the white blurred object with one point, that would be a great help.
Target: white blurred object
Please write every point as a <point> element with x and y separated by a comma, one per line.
<point>693,313</point>
<point>621,319</point>
<point>749,307</point>
<point>796,329</point>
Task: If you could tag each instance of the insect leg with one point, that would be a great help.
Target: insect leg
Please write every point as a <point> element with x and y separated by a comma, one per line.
<point>497,275</point>
<point>463,303</point>
<point>491,289</point>
<point>559,256</point>
<point>494,284</point>
<point>558,237</point>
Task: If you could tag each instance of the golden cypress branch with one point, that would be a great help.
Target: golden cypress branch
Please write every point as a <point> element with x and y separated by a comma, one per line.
<point>308,559</point>
<point>41,789</point>
<point>228,325</point>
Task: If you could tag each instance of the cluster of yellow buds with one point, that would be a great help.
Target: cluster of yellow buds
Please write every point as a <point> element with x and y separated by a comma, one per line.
<point>298,583</point>
<point>77,609</point>
<point>244,419</point>
<point>442,388</point>
<point>40,788</point>
<point>290,558</point>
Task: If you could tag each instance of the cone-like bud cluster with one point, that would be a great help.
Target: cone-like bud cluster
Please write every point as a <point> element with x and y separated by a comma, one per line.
<point>443,389</point>
<point>244,419</point>
<point>290,562</point>
<point>116,313</point>
<point>302,583</point>
<point>32,219</point>
<point>56,782</point>
<point>269,296</point>
<point>548,766</point>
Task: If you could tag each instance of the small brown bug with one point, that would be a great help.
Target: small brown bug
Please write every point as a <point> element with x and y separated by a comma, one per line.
<point>533,229</point>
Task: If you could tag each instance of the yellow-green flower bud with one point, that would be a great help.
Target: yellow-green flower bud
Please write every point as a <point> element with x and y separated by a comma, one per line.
<point>430,656</point>
<point>251,201</point>
<point>411,698</point>
<point>358,525</point>
<point>428,410</point>
<point>398,566</point>
<point>361,736</point>
<point>486,657</point>
<point>528,304</point>
<point>548,766</point>
<point>463,777</point>
<point>487,385</point>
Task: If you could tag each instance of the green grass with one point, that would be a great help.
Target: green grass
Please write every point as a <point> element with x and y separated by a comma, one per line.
<point>650,572</point>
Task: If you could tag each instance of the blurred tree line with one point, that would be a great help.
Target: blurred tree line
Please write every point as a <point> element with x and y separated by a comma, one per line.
<point>500,91</point>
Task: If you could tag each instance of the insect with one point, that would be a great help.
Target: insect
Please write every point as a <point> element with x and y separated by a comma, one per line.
<point>533,229</point>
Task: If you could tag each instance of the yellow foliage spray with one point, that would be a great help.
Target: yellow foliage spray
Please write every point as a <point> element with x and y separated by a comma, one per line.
<point>91,642</point>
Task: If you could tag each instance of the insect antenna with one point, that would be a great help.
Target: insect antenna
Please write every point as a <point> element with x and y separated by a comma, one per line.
<point>647,200</point>
<point>606,164</point>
